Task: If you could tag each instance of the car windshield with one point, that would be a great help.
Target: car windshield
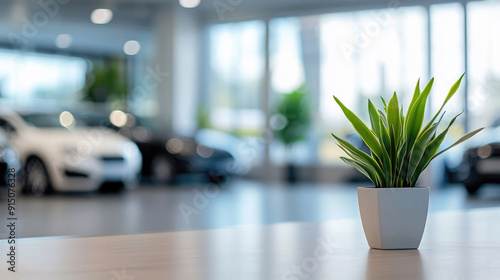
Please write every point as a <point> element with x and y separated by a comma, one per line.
<point>48,120</point>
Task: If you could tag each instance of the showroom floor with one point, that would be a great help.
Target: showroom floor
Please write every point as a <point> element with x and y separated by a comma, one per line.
<point>191,206</point>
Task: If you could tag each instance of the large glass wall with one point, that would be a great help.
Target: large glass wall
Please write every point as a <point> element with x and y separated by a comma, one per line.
<point>364,55</point>
<point>236,77</point>
<point>359,55</point>
<point>30,76</point>
<point>483,27</point>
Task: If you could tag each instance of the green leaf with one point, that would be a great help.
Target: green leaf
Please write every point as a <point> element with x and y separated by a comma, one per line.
<point>452,91</point>
<point>401,158</point>
<point>383,118</point>
<point>349,148</point>
<point>374,118</point>
<point>415,116</point>
<point>401,120</point>
<point>384,135</point>
<point>385,103</point>
<point>430,151</point>
<point>358,167</point>
<point>459,141</point>
<point>393,117</point>
<point>371,173</point>
<point>416,93</point>
<point>418,149</point>
<point>363,131</point>
<point>387,167</point>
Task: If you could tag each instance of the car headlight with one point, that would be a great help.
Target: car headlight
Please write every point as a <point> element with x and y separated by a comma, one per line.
<point>131,151</point>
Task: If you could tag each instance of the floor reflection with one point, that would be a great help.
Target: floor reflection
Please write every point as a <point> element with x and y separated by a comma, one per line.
<point>394,264</point>
<point>191,207</point>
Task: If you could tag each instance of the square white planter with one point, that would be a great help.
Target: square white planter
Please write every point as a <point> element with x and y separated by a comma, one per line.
<point>393,218</point>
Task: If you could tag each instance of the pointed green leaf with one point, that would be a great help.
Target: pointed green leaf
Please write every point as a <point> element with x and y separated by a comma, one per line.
<point>418,150</point>
<point>384,135</point>
<point>363,131</point>
<point>452,91</point>
<point>459,141</point>
<point>371,173</point>
<point>385,103</point>
<point>415,116</point>
<point>430,151</point>
<point>360,154</point>
<point>393,117</point>
<point>374,118</point>
<point>383,118</point>
<point>358,167</point>
<point>416,93</point>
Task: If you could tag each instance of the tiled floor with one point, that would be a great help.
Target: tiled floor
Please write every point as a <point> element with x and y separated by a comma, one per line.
<point>160,208</point>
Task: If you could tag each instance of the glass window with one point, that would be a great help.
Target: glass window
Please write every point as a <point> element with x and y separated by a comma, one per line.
<point>286,76</point>
<point>25,76</point>
<point>287,71</point>
<point>447,48</point>
<point>364,55</point>
<point>483,62</point>
<point>448,64</point>
<point>236,77</point>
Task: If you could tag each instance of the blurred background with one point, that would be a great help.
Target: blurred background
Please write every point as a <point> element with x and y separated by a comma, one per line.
<point>128,116</point>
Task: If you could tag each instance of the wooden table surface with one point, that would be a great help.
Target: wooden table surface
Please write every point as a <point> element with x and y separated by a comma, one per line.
<point>456,245</point>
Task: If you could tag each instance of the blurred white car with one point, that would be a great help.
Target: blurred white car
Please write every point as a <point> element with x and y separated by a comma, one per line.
<point>59,153</point>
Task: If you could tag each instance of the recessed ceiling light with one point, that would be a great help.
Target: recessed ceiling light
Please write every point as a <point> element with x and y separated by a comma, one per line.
<point>131,47</point>
<point>189,3</point>
<point>63,41</point>
<point>101,16</point>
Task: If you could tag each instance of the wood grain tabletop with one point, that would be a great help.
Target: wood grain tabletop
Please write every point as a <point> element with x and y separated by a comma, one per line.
<point>456,245</point>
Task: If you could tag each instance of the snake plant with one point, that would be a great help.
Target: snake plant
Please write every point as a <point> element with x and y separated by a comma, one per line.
<point>401,145</point>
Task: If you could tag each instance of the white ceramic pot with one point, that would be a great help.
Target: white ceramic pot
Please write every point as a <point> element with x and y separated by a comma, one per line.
<point>393,218</point>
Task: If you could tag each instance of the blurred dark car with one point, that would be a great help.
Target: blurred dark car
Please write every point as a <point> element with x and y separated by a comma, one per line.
<point>165,157</point>
<point>9,159</point>
<point>480,163</point>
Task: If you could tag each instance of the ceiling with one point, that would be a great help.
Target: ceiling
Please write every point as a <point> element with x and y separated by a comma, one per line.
<point>36,26</point>
<point>134,19</point>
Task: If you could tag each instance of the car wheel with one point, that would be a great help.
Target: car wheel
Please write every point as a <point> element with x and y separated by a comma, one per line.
<point>472,188</point>
<point>36,180</point>
<point>162,170</point>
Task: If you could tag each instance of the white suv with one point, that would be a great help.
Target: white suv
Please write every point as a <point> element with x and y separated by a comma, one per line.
<point>59,153</point>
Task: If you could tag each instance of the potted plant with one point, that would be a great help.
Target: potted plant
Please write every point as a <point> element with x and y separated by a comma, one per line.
<point>394,212</point>
<point>294,116</point>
